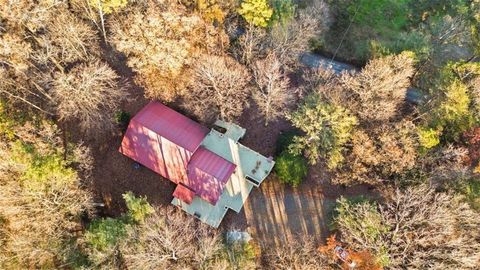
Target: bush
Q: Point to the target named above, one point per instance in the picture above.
(242, 255)
(413, 41)
(328, 128)
(453, 113)
(291, 169)
(283, 11)
(472, 193)
(428, 137)
(138, 207)
(6, 121)
(284, 140)
(105, 233)
(42, 171)
(122, 118)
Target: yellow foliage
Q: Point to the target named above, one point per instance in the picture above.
(256, 12)
(477, 169)
(457, 101)
(210, 10)
(429, 137)
(108, 6)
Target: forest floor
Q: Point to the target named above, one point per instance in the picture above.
(274, 213)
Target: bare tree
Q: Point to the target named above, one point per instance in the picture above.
(219, 88)
(20, 84)
(89, 93)
(273, 93)
(300, 254)
(28, 14)
(170, 240)
(379, 89)
(432, 230)
(68, 39)
(287, 40)
(417, 229)
(40, 39)
(162, 40)
(379, 153)
(251, 45)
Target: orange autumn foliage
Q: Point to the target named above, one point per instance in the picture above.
(363, 260)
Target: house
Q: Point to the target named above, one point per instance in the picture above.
(212, 170)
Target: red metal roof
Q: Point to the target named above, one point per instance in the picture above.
(208, 173)
(183, 193)
(171, 125)
(168, 143)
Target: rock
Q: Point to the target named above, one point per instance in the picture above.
(238, 236)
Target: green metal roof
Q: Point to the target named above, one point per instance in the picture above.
(249, 164)
(234, 131)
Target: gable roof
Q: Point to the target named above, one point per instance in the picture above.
(168, 143)
(171, 125)
(208, 173)
(209, 168)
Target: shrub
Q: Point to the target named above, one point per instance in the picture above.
(6, 122)
(328, 128)
(42, 171)
(413, 41)
(104, 234)
(471, 189)
(428, 137)
(284, 140)
(283, 11)
(291, 169)
(242, 255)
(138, 207)
(122, 118)
(453, 112)
(256, 12)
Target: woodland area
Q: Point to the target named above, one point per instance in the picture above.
(73, 71)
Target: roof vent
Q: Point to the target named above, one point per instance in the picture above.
(253, 181)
